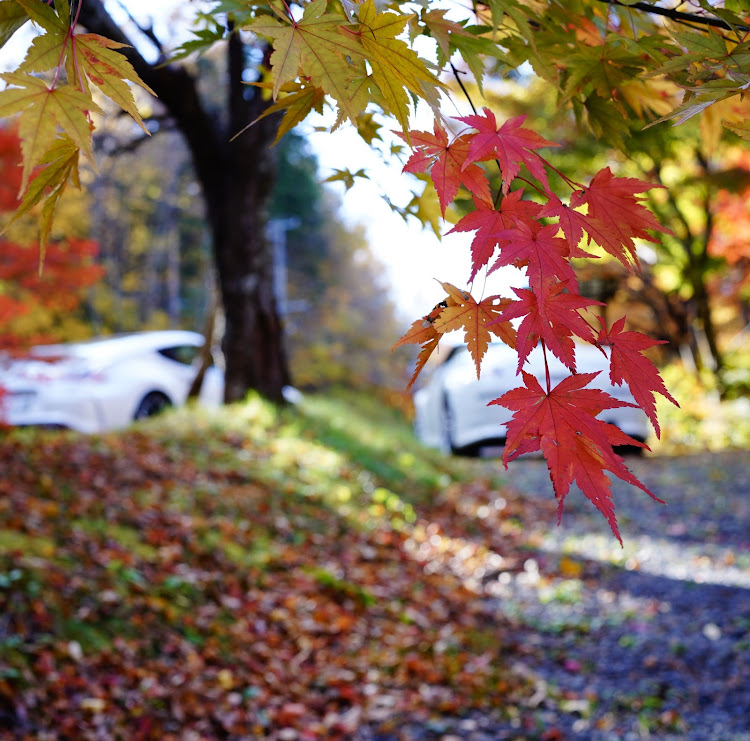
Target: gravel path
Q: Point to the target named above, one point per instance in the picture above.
(649, 641)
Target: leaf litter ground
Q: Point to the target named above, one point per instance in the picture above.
(310, 574)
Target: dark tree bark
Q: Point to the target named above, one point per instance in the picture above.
(236, 178)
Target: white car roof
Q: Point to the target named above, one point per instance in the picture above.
(588, 357)
(124, 344)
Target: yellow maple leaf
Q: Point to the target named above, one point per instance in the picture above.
(396, 68)
(728, 112)
(88, 57)
(474, 317)
(314, 45)
(655, 96)
(107, 69)
(57, 167)
(43, 110)
(298, 101)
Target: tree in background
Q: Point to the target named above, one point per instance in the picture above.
(155, 248)
(730, 241)
(44, 306)
(690, 281)
(236, 177)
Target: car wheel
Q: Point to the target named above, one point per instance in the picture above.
(151, 404)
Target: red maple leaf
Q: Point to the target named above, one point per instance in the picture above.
(577, 446)
(612, 201)
(489, 221)
(627, 363)
(575, 224)
(447, 163)
(551, 315)
(535, 246)
(511, 145)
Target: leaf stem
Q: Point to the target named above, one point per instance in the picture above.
(572, 183)
(496, 202)
(546, 366)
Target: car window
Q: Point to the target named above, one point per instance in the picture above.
(455, 352)
(184, 354)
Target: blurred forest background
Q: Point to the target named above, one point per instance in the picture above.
(133, 253)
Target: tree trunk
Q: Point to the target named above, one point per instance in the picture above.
(236, 178)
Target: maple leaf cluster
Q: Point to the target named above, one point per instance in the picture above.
(351, 61)
(55, 116)
(541, 236)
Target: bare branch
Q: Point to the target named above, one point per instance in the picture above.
(147, 32)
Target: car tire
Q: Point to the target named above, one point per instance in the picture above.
(152, 404)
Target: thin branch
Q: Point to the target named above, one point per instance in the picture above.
(112, 146)
(147, 32)
(457, 75)
(678, 15)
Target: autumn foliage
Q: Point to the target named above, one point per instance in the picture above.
(25, 290)
(541, 236)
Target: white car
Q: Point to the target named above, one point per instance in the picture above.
(451, 411)
(104, 383)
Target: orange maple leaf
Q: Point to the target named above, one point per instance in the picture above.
(477, 319)
(422, 332)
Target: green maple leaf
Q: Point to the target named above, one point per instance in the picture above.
(12, 17)
(204, 39)
(742, 129)
(43, 110)
(604, 67)
(606, 119)
(703, 96)
(347, 177)
(45, 16)
(314, 47)
(475, 48)
(59, 166)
